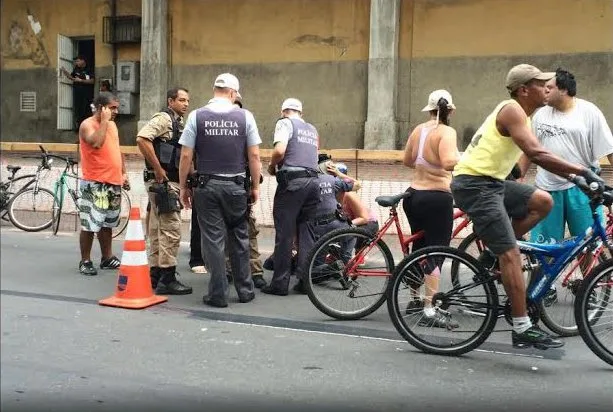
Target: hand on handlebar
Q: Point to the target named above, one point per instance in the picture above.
(592, 177)
(589, 182)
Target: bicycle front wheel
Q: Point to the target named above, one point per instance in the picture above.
(472, 245)
(124, 213)
(594, 296)
(431, 313)
(31, 209)
(344, 281)
(557, 308)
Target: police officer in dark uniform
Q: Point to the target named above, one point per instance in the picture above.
(294, 162)
(158, 141)
(223, 137)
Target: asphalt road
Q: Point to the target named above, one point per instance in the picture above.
(61, 351)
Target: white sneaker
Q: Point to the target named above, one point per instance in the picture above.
(199, 269)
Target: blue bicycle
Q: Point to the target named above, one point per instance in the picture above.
(470, 304)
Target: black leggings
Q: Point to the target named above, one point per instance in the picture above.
(432, 212)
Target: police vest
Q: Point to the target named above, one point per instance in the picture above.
(302, 147)
(221, 141)
(327, 195)
(169, 152)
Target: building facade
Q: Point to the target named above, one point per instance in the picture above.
(363, 68)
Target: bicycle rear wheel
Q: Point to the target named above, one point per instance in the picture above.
(345, 283)
(463, 317)
(594, 295)
(31, 209)
(124, 213)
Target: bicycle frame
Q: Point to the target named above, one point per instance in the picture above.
(405, 241)
(34, 178)
(560, 254)
(61, 185)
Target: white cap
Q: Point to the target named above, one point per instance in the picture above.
(227, 80)
(435, 96)
(293, 104)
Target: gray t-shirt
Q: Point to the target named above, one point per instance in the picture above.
(581, 136)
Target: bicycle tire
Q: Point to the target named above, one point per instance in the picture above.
(57, 214)
(123, 220)
(549, 321)
(586, 325)
(395, 310)
(12, 212)
(322, 246)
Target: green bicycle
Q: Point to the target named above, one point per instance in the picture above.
(62, 186)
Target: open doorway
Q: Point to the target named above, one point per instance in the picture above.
(74, 99)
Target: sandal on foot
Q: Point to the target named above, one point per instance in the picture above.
(110, 263)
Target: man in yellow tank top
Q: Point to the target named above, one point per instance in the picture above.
(502, 210)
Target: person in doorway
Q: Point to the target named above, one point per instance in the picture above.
(82, 78)
(432, 151)
(104, 173)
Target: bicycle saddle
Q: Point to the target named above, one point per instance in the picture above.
(389, 201)
(71, 161)
(13, 169)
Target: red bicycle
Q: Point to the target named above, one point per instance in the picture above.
(349, 268)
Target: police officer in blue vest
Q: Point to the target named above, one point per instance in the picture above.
(294, 163)
(223, 136)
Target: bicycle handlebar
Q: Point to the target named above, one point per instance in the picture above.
(594, 190)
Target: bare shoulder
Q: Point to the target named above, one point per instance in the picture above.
(447, 131)
(511, 113)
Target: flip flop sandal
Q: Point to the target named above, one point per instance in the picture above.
(110, 263)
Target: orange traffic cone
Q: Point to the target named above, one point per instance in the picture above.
(134, 280)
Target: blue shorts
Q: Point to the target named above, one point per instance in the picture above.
(570, 206)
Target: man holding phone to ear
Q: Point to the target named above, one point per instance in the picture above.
(104, 173)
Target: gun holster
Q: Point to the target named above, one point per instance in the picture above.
(166, 200)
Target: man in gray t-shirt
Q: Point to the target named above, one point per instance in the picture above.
(577, 131)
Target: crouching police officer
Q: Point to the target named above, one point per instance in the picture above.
(223, 137)
(328, 215)
(158, 141)
(294, 162)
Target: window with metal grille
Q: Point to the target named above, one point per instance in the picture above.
(27, 101)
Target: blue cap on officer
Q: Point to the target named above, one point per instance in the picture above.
(342, 167)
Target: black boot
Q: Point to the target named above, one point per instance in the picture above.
(169, 285)
(154, 272)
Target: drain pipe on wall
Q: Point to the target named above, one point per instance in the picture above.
(114, 44)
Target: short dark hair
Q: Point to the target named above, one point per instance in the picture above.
(443, 111)
(174, 92)
(106, 83)
(104, 98)
(80, 57)
(565, 80)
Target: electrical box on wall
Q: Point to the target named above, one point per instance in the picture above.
(128, 76)
(127, 102)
